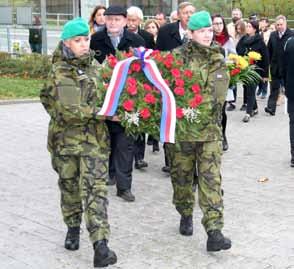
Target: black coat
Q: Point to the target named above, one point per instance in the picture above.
(169, 37)
(101, 44)
(148, 38)
(255, 43)
(288, 70)
(276, 51)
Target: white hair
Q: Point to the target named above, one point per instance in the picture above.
(135, 11)
(172, 14)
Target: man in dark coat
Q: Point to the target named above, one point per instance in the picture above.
(288, 75)
(135, 18)
(276, 45)
(173, 35)
(116, 36)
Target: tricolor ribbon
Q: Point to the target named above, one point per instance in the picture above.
(150, 69)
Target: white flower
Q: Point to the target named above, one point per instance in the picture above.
(132, 118)
(191, 114)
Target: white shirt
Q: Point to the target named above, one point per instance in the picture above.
(183, 33)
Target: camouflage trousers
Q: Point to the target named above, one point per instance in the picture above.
(183, 159)
(82, 182)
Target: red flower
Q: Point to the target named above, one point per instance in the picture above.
(235, 72)
(188, 73)
(149, 98)
(179, 113)
(196, 101)
(169, 57)
(147, 87)
(131, 81)
(132, 90)
(128, 105)
(136, 67)
(128, 54)
(145, 113)
(196, 88)
(156, 55)
(179, 91)
(112, 61)
(251, 61)
(180, 82)
(168, 63)
(176, 73)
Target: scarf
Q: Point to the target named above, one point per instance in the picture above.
(221, 38)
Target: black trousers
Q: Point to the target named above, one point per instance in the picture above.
(139, 148)
(251, 98)
(121, 159)
(274, 93)
(291, 126)
(224, 119)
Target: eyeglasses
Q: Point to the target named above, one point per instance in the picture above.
(217, 23)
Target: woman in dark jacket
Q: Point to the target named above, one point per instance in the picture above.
(253, 41)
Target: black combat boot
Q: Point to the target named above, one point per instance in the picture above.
(186, 225)
(103, 256)
(216, 241)
(72, 240)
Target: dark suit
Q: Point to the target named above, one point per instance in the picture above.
(169, 37)
(276, 52)
(101, 44)
(121, 157)
(288, 75)
(148, 38)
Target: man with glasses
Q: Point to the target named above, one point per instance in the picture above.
(276, 45)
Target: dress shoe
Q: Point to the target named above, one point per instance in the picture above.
(186, 225)
(111, 181)
(243, 107)
(263, 96)
(231, 107)
(216, 241)
(155, 147)
(126, 195)
(103, 256)
(268, 110)
(72, 239)
(165, 169)
(141, 164)
(225, 144)
(246, 118)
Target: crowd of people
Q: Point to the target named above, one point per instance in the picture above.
(90, 151)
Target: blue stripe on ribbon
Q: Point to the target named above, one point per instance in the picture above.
(164, 98)
(121, 84)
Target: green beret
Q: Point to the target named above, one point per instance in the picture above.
(75, 27)
(199, 20)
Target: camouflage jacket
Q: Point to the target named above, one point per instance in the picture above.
(208, 65)
(69, 96)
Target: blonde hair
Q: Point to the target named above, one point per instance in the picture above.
(183, 5)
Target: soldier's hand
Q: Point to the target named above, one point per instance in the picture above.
(115, 118)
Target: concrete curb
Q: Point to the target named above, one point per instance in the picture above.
(18, 101)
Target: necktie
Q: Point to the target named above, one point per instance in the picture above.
(185, 38)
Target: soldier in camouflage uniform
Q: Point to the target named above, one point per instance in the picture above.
(201, 142)
(78, 140)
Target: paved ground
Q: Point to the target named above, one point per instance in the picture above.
(259, 217)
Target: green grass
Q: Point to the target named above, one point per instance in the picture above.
(19, 88)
